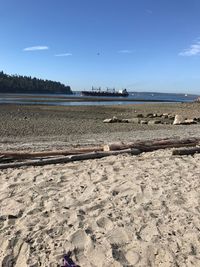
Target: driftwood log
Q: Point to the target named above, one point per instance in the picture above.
(135, 148)
(26, 155)
(66, 159)
(188, 151)
(146, 146)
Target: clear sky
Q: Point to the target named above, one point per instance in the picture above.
(141, 45)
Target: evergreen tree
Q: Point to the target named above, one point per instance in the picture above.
(26, 85)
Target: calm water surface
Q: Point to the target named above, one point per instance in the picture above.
(78, 100)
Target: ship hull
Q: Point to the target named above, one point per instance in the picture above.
(94, 93)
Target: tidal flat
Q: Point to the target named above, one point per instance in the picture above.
(75, 123)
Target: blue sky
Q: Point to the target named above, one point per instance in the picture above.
(141, 45)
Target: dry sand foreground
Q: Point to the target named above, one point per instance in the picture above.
(116, 211)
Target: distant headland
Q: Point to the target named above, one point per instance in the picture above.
(27, 85)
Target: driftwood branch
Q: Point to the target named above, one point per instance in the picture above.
(189, 151)
(93, 155)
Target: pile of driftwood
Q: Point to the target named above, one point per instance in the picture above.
(9, 159)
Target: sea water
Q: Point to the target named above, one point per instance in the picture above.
(78, 100)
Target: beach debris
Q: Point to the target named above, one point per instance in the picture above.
(107, 121)
(165, 118)
(140, 115)
(179, 119)
(68, 262)
(125, 120)
(21, 159)
(134, 120)
(151, 122)
(188, 151)
(190, 121)
(171, 116)
(196, 119)
(197, 100)
(46, 161)
(25, 155)
(165, 115)
(143, 122)
(151, 145)
(115, 119)
(150, 115)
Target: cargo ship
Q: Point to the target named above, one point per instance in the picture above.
(108, 92)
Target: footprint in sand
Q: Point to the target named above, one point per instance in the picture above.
(118, 255)
(105, 223)
(132, 257)
(119, 236)
(164, 258)
(80, 240)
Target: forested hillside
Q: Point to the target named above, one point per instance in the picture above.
(29, 85)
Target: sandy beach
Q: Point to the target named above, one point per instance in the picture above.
(117, 211)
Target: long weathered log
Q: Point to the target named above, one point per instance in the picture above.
(25, 155)
(189, 151)
(5, 160)
(143, 145)
(93, 155)
(95, 152)
(154, 144)
(153, 148)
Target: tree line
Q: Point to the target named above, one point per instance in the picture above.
(26, 85)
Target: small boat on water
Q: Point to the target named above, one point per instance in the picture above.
(99, 92)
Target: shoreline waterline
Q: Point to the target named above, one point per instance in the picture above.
(78, 100)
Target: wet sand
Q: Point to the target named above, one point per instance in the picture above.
(71, 123)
